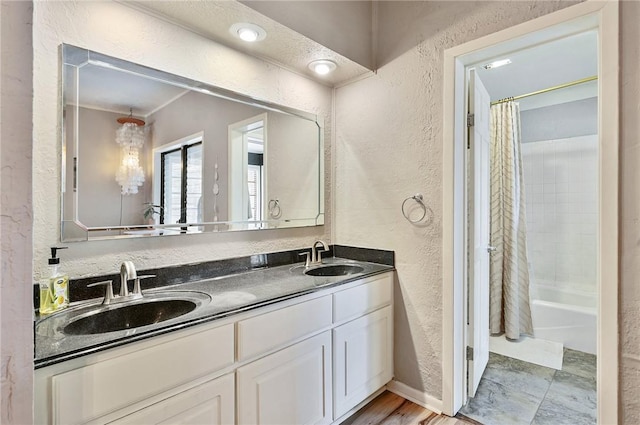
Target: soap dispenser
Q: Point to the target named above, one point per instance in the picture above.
(54, 289)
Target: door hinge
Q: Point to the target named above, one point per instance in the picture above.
(469, 353)
(471, 120)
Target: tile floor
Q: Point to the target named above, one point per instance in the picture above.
(513, 392)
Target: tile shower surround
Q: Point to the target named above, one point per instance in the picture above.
(561, 195)
(185, 273)
(514, 392)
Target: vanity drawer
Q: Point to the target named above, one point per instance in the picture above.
(268, 331)
(357, 301)
(95, 390)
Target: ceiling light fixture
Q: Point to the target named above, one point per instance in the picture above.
(248, 32)
(496, 64)
(322, 66)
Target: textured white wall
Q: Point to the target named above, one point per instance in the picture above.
(388, 147)
(117, 30)
(16, 294)
(630, 212)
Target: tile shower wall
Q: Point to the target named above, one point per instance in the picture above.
(562, 211)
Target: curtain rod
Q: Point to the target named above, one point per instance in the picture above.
(561, 86)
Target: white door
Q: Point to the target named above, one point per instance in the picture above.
(289, 387)
(363, 354)
(211, 403)
(479, 220)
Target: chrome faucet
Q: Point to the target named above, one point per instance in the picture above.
(127, 272)
(316, 255)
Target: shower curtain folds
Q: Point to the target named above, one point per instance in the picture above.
(509, 309)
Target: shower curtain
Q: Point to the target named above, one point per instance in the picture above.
(509, 309)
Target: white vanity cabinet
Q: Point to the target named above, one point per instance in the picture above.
(363, 346)
(307, 360)
(109, 385)
(363, 358)
(291, 386)
(211, 403)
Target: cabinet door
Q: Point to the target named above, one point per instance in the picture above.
(291, 386)
(363, 358)
(211, 403)
(131, 377)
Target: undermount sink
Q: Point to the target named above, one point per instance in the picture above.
(130, 316)
(334, 270)
(97, 319)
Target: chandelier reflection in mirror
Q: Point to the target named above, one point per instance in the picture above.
(130, 136)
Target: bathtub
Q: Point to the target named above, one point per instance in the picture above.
(564, 315)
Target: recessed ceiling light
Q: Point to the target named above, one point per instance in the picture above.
(248, 32)
(322, 66)
(496, 64)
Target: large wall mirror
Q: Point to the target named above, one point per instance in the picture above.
(147, 153)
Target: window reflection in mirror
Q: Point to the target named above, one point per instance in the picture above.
(179, 175)
(196, 177)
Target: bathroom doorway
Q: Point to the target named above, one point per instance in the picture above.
(533, 216)
(581, 18)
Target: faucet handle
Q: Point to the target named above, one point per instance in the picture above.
(108, 293)
(307, 262)
(136, 284)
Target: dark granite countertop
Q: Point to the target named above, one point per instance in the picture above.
(229, 295)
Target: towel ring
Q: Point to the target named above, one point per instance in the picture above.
(420, 200)
(274, 208)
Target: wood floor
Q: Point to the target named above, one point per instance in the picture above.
(391, 409)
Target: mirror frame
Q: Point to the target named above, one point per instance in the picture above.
(73, 230)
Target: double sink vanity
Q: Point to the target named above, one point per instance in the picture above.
(262, 339)
(290, 343)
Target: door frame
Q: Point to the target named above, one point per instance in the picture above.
(237, 182)
(599, 15)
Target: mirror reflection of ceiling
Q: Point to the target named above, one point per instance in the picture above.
(107, 89)
(543, 66)
(284, 46)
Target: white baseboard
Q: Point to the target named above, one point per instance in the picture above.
(358, 407)
(418, 397)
